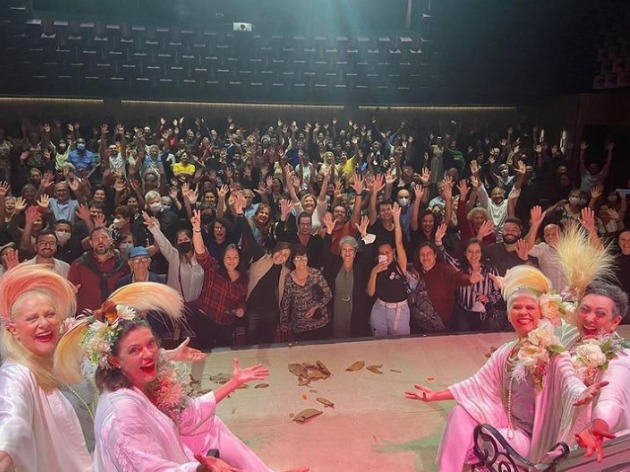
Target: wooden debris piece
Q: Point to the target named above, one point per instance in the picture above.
(358, 365)
(306, 414)
(375, 368)
(325, 402)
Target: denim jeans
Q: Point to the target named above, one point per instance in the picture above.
(389, 319)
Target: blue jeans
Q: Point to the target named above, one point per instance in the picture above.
(389, 319)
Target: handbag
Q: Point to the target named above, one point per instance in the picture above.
(422, 313)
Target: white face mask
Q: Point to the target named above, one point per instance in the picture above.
(119, 222)
(575, 201)
(62, 237)
(403, 202)
(125, 247)
(155, 207)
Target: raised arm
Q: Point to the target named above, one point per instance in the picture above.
(377, 186)
(418, 191)
(398, 235)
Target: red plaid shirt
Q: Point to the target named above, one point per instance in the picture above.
(219, 295)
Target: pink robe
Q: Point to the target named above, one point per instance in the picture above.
(134, 435)
(481, 400)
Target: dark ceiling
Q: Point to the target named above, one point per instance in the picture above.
(332, 51)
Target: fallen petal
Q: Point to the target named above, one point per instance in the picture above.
(358, 365)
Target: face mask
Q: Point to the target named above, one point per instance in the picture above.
(155, 207)
(612, 198)
(81, 147)
(184, 247)
(403, 202)
(119, 222)
(125, 247)
(62, 147)
(575, 201)
(62, 237)
(166, 207)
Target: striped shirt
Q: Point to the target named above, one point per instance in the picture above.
(467, 295)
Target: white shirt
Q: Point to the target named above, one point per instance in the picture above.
(59, 267)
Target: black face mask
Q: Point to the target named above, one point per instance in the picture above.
(184, 247)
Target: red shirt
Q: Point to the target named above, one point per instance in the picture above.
(90, 295)
(220, 296)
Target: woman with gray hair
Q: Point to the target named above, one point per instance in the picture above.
(347, 276)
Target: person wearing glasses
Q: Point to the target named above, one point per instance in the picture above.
(46, 247)
(139, 262)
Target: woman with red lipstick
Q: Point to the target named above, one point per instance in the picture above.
(145, 420)
(528, 388)
(39, 430)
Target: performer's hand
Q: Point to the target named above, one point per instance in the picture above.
(255, 372)
(214, 464)
(183, 353)
(592, 439)
(421, 393)
(590, 393)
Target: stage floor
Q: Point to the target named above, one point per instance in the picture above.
(372, 426)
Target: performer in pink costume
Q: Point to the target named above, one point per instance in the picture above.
(600, 354)
(528, 389)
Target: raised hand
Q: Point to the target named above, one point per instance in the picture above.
(43, 202)
(4, 189)
(486, 229)
(99, 220)
(362, 226)
(587, 220)
(223, 191)
(183, 353)
(195, 220)
(522, 249)
(243, 376)
(286, 206)
(378, 183)
(583, 146)
(425, 176)
(418, 191)
(447, 190)
(474, 167)
(537, 215)
(173, 191)
(463, 188)
(10, 258)
(20, 205)
(440, 232)
(31, 215)
(597, 191)
(329, 222)
(474, 181)
(150, 221)
(396, 211)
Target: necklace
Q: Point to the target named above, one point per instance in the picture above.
(508, 396)
(83, 402)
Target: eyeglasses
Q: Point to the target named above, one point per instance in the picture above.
(47, 243)
(300, 258)
(138, 260)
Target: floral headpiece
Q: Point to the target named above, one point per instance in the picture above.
(103, 331)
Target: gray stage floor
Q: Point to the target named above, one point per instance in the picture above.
(372, 426)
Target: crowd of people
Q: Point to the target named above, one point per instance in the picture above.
(353, 231)
(227, 217)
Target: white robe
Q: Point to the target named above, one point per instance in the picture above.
(481, 396)
(38, 429)
(613, 403)
(134, 435)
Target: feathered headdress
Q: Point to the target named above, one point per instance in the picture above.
(582, 260)
(92, 338)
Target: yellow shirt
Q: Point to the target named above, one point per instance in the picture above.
(180, 168)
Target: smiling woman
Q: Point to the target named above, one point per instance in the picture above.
(528, 388)
(145, 420)
(39, 430)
